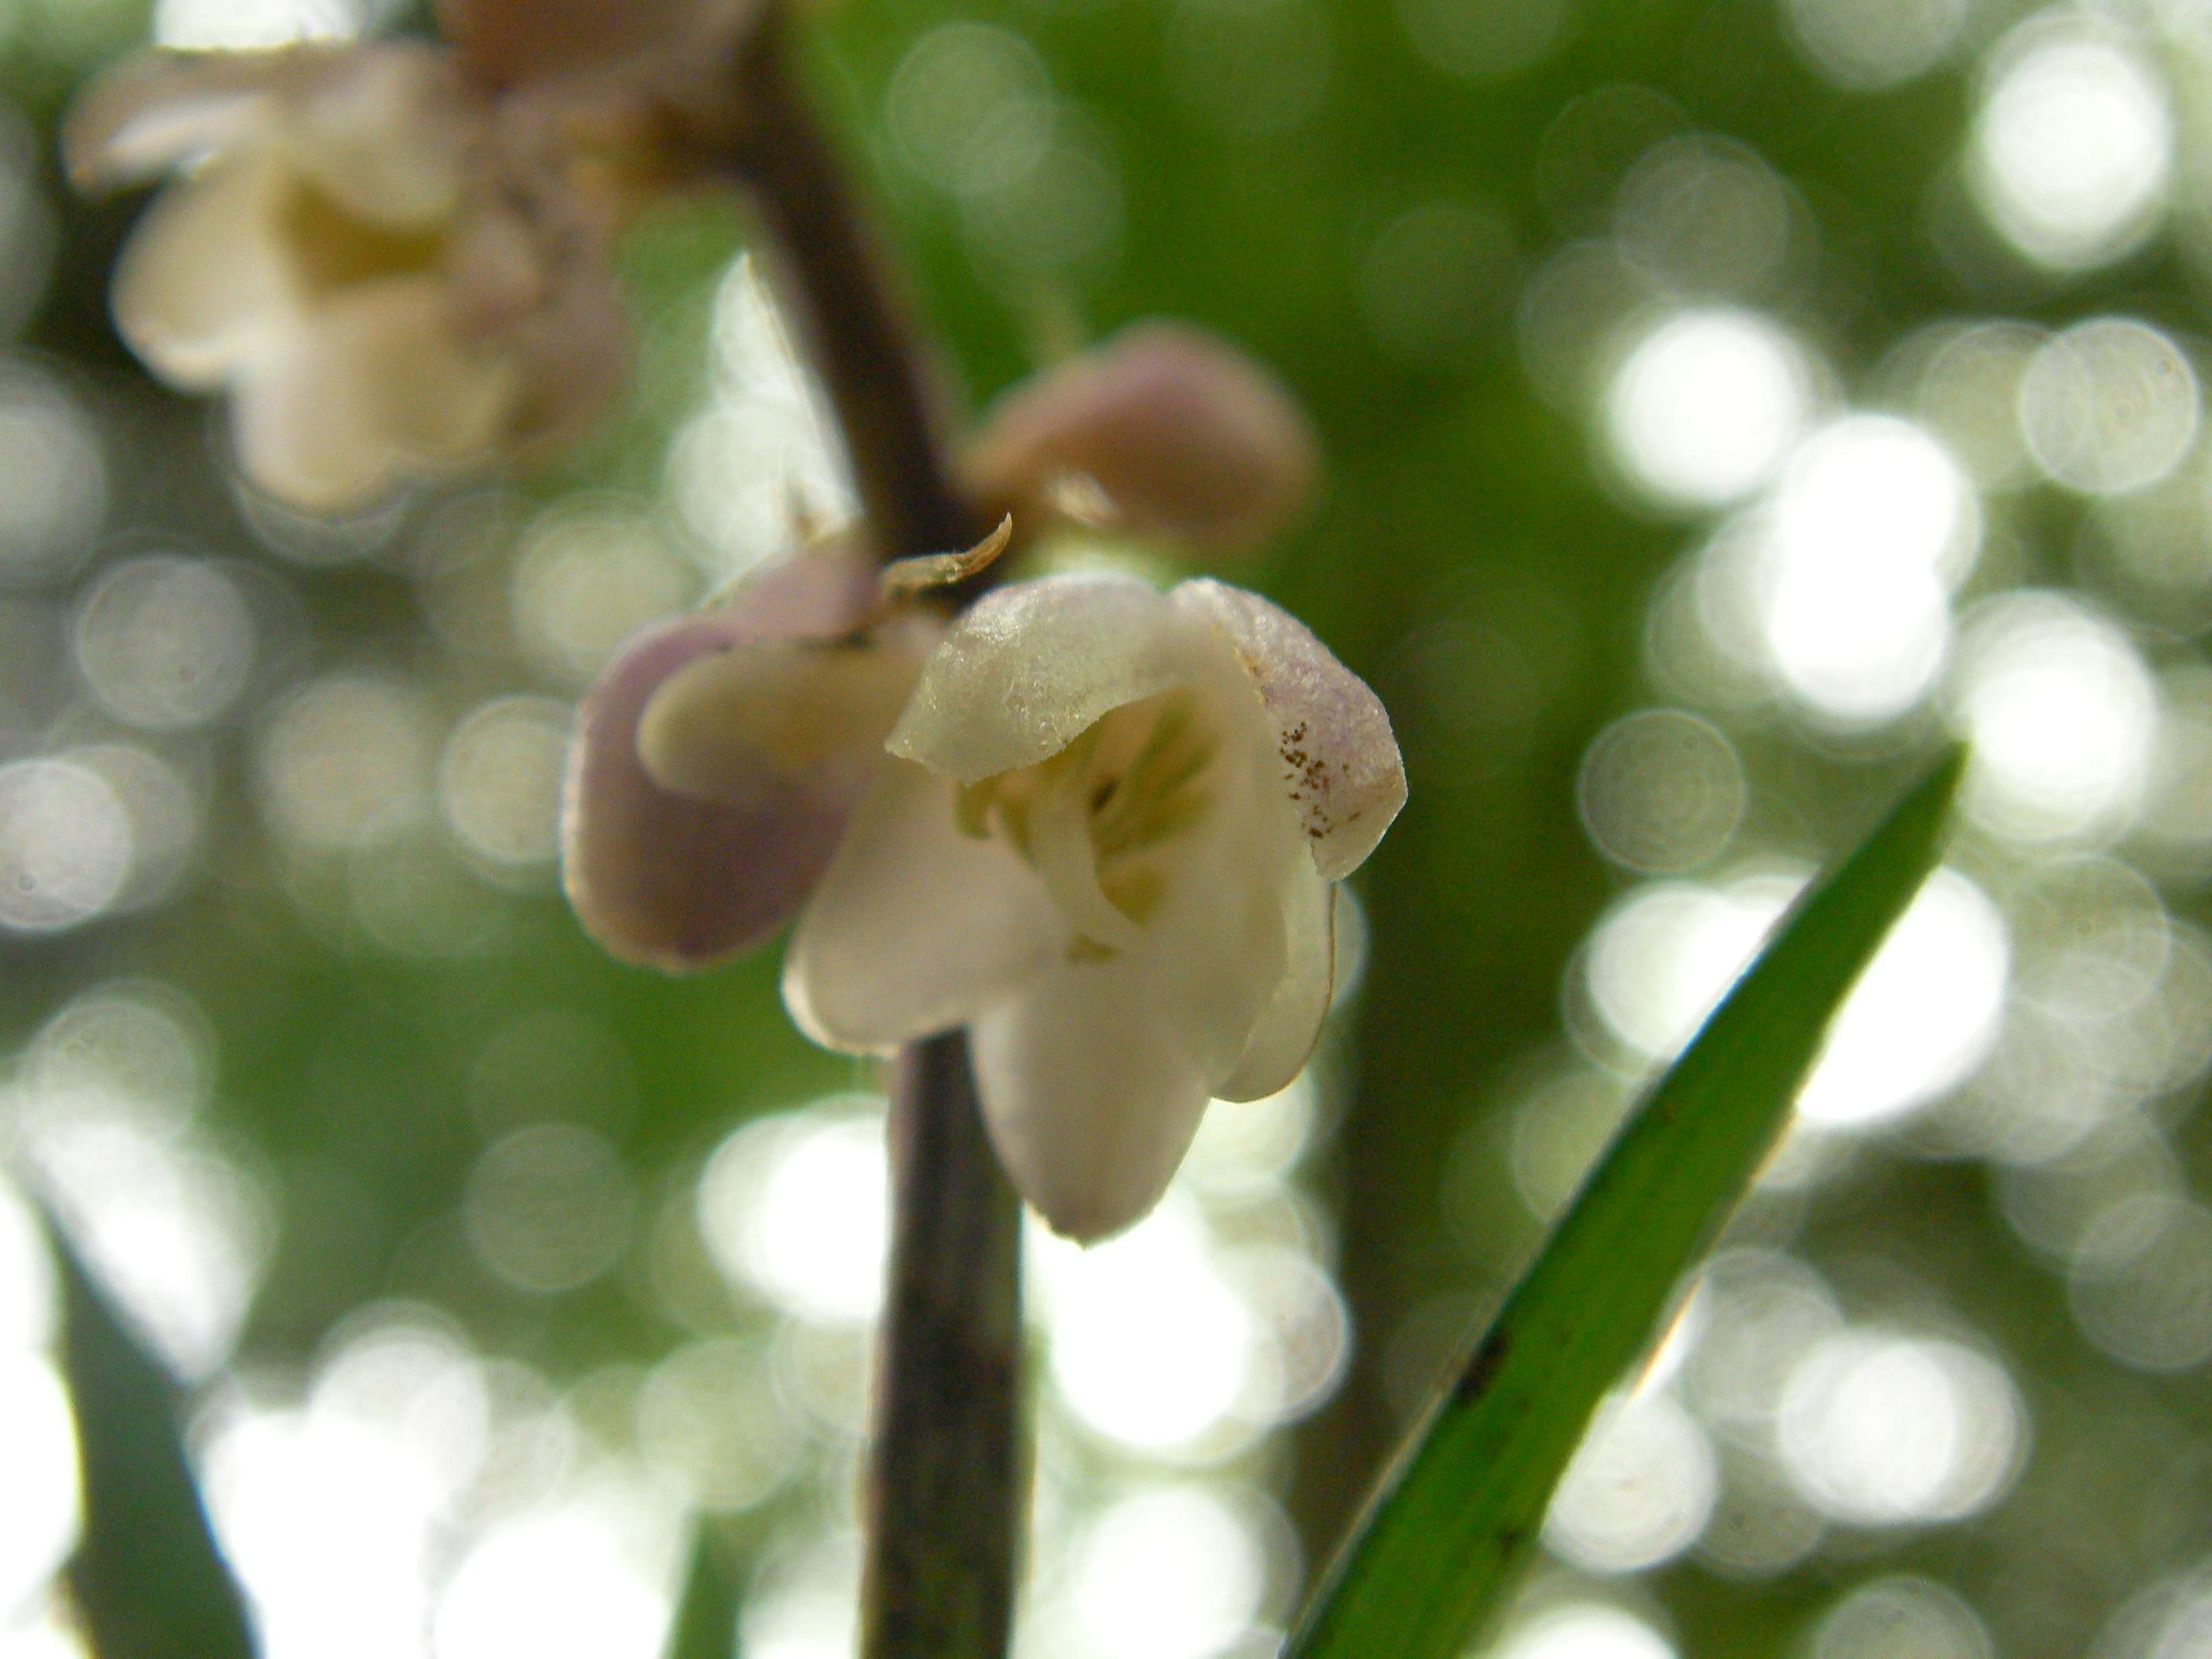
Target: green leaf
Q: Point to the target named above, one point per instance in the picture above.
(148, 1579)
(706, 1625)
(1441, 1545)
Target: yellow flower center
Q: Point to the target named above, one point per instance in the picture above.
(1095, 819)
(333, 247)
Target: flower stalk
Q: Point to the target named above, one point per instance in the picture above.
(943, 1500)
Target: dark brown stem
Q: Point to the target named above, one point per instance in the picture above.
(885, 392)
(945, 1488)
(945, 1479)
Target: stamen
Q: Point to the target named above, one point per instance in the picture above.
(1091, 818)
(1060, 845)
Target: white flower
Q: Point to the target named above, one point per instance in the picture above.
(1107, 845)
(391, 269)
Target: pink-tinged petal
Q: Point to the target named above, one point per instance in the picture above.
(916, 926)
(772, 712)
(148, 112)
(1026, 669)
(369, 386)
(1188, 438)
(1284, 1040)
(677, 882)
(1340, 765)
(203, 285)
(512, 40)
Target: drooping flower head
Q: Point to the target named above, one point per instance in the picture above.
(1097, 824)
(1107, 844)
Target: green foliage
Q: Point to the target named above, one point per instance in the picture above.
(149, 1580)
(707, 1618)
(1441, 1549)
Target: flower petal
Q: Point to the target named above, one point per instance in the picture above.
(1342, 769)
(202, 283)
(1188, 438)
(370, 384)
(675, 881)
(154, 110)
(765, 712)
(1091, 1096)
(916, 924)
(1093, 1077)
(387, 132)
(1284, 1040)
(1028, 668)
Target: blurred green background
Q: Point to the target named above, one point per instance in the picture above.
(1723, 399)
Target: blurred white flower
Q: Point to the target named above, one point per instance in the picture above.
(1107, 845)
(394, 269)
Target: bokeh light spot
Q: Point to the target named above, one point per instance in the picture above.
(1872, 523)
(589, 578)
(711, 1425)
(1661, 791)
(1150, 1345)
(2110, 405)
(1924, 1015)
(1706, 404)
(498, 780)
(1485, 39)
(1870, 44)
(549, 1208)
(1882, 1429)
(1587, 1630)
(345, 763)
(165, 642)
(66, 845)
(2062, 714)
(1170, 1572)
(1902, 1617)
(1640, 1490)
(2073, 144)
(796, 1206)
(38, 1447)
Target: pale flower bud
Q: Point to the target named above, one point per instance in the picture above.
(1186, 438)
(392, 273)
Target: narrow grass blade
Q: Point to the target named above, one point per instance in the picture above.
(705, 1626)
(1439, 1547)
(147, 1577)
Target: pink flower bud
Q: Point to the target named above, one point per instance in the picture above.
(1188, 438)
(679, 880)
